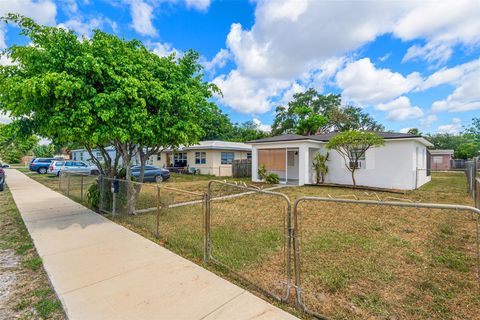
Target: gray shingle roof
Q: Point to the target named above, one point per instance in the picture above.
(326, 137)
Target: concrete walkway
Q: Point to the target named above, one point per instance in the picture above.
(101, 270)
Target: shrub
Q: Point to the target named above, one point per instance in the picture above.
(93, 196)
(272, 178)
(262, 172)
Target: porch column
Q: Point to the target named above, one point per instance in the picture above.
(254, 163)
(304, 165)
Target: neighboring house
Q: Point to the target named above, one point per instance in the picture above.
(209, 157)
(441, 159)
(83, 155)
(399, 164)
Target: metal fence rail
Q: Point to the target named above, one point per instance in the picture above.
(174, 216)
(364, 258)
(248, 234)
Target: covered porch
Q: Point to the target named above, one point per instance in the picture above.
(292, 162)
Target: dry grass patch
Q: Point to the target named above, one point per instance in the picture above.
(25, 291)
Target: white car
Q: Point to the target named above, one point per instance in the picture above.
(72, 166)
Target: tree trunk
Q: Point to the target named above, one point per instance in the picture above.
(353, 178)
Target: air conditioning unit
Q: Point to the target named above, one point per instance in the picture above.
(356, 165)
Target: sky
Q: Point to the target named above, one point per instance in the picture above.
(410, 64)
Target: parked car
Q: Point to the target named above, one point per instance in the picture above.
(56, 167)
(41, 165)
(152, 174)
(2, 175)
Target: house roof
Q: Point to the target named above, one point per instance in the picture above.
(448, 152)
(216, 145)
(326, 137)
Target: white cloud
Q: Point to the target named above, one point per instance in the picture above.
(404, 130)
(142, 15)
(436, 53)
(465, 97)
(85, 27)
(163, 49)
(43, 12)
(400, 109)
(451, 75)
(261, 126)
(451, 128)
(428, 121)
(364, 83)
(385, 57)
(4, 118)
(247, 95)
(290, 39)
(200, 5)
(219, 61)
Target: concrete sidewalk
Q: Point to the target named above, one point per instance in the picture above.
(101, 270)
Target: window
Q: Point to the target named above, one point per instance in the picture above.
(180, 159)
(81, 156)
(69, 164)
(79, 164)
(355, 154)
(249, 155)
(98, 155)
(437, 159)
(159, 156)
(227, 157)
(200, 157)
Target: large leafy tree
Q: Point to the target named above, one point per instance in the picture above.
(310, 112)
(103, 91)
(352, 146)
(14, 144)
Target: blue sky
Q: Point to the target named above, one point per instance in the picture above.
(409, 64)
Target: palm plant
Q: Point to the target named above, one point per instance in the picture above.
(320, 166)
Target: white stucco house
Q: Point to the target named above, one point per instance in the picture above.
(401, 163)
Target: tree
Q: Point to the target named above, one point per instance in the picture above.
(103, 91)
(14, 144)
(467, 150)
(305, 114)
(414, 131)
(44, 151)
(310, 112)
(320, 166)
(352, 146)
(351, 118)
(246, 131)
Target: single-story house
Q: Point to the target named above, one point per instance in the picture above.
(209, 157)
(441, 159)
(401, 163)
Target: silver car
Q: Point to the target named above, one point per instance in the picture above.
(56, 167)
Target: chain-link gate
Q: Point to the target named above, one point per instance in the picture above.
(373, 259)
(247, 233)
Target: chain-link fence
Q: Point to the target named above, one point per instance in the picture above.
(374, 259)
(76, 185)
(248, 234)
(174, 216)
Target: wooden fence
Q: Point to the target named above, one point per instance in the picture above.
(242, 168)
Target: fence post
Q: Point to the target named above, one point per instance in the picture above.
(100, 201)
(114, 197)
(474, 182)
(158, 212)
(206, 235)
(68, 184)
(81, 188)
